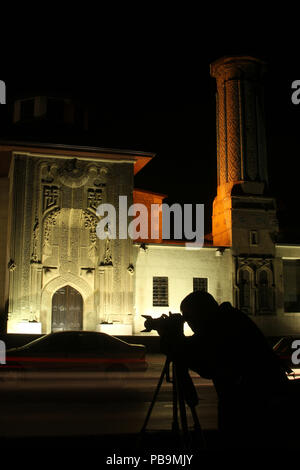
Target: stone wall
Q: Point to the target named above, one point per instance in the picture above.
(4, 198)
(54, 241)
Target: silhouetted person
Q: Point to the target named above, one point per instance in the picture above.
(228, 348)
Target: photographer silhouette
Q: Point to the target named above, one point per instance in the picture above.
(228, 348)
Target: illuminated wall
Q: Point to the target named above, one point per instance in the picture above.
(180, 265)
(53, 241)
(154, 219)
(4, 215)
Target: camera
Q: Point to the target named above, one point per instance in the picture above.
(170, 324)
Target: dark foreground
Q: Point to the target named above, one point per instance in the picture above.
(104, 417)
(152, 449)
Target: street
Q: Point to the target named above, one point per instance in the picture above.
(95, 404)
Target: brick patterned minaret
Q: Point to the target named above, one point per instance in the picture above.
(241, 142)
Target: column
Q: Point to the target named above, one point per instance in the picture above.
(241, 143)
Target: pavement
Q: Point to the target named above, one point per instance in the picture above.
(148, 445)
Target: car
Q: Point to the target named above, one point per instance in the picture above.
(76, 351)
(284, 349)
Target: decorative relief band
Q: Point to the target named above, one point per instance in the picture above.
(49, 222)
(34, 255)
(73, 174)
(94, 198)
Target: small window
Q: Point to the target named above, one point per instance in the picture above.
(253, 237)
(160, 292)
(200, 283)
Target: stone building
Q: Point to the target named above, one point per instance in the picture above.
(57, 274)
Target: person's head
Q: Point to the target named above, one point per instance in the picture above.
(199, 310)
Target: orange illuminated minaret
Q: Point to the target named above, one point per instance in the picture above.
(241, 144)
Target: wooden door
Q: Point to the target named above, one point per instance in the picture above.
(67, 309)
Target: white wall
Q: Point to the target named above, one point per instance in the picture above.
(180, 265)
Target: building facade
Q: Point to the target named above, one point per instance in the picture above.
(57, 274)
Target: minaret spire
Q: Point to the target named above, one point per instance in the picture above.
(241, 145)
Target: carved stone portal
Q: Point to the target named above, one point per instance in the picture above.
(57, 199)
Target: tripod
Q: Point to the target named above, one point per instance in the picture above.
(184, 392)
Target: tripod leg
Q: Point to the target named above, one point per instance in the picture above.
(198, 428)
(175, 425)
(164, 372)
(191, 401)
(182, 409)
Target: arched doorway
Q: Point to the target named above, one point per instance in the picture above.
(67, 309)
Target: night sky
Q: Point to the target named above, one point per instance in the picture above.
(159, 97)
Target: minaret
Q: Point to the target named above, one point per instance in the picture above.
(243, 216)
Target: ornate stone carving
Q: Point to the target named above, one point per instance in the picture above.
(222, 134)
(90, 222)
(49, 269)
(98, 183)
(34, 255)
(58, 244)
(87, 271)
(47, 176)
(260, 284)
(73, 174)
(107, 261)
(94, 198)
(238, 84)
(11, 265)
(233, 130)
(130, 269)
(101, 174)
(49, 222)
(50, 197)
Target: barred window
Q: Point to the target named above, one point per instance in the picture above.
(200, 283)
(160, 292)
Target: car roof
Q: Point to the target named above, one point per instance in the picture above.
(86, 332)
(77, 332)
(64, 333)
